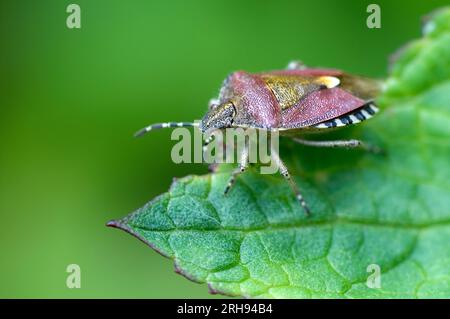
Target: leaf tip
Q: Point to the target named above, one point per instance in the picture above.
(113, 223)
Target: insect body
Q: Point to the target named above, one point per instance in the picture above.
(290, 101)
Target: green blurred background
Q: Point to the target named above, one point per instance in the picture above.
(71, 100)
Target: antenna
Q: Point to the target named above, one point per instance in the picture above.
(164, 125)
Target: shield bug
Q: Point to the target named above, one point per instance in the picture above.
(292, 102)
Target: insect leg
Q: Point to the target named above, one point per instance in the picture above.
(210, 137)
(284, 171)
(340, 143)
(207, 141)
(243, 165)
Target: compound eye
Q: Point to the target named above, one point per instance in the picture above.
(213, 103)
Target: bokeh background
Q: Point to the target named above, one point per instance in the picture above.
(71, 99)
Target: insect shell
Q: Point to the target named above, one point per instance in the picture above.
(292, 101)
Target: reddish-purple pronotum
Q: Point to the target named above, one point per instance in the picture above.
(291, 102)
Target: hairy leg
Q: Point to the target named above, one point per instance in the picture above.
(243, 165)
(284, 171)
(340, 143)
(207, 141)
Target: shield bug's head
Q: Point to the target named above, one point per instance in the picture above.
(219, 116)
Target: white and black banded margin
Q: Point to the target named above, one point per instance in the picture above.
(363, 113)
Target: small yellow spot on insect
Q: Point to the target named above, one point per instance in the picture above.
(329, 81)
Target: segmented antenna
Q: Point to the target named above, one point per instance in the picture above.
(164, 125)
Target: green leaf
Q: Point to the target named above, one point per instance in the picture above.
(392, 211)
